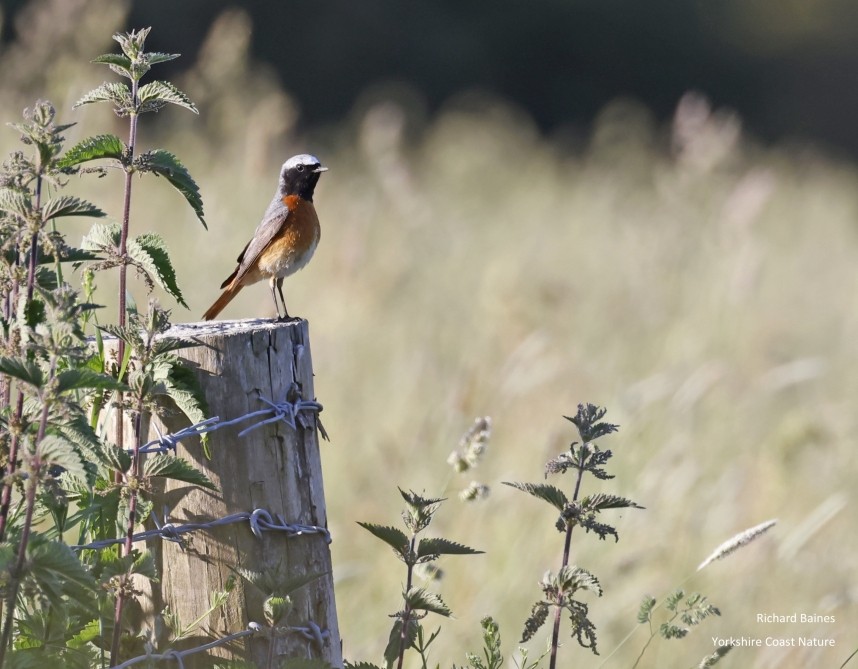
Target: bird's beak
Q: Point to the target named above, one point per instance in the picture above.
(321, 169)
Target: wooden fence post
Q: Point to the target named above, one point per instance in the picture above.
(274, 467)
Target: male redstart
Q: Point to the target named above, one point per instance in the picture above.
(285, 239)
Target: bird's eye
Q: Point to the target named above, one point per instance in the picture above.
(300, 168)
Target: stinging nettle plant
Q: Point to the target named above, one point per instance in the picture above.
(66, 484)
(147, 253)
(407, 631)
(561, 590)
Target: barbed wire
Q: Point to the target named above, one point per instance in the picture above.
(179, 655)
(260, 521)
(311, 632)
(291, 413)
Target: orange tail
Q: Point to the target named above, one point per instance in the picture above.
(221, 302)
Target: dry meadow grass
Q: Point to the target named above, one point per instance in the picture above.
(700, 286)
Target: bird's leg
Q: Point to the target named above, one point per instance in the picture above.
(286, 316)
(272, 282)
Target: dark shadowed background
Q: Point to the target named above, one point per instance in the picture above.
(789, 67)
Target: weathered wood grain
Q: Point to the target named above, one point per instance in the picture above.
(274, 467)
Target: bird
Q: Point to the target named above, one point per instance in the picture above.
(284, 241)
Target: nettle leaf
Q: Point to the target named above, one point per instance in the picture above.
(93, 148)
(183, 388)
(421, 599)
(166, 465)
(56, 571)
(601, 501)
(90, 632)
(150, 253)
(396, 642)
(57, 452)
(16, 203)
(436, 547)
(66, 205)
(109, 91)
(28, 372)
(393, 537)
(117, 62)
(551, 494)
(157, 57)
(165, 164)
(144, 564)
(74, 379)
(276, 581)
(536, 619)
(155, 95)
(102, 237)
(360, 665)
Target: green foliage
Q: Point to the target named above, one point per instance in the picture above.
(689, 610)
(148, 253)
(561, 590)
(393, 537)
(548, 493)
(65, 480)
(492, 657)
(171, 467)
(94, 148)
(407, 632)
(164, 164)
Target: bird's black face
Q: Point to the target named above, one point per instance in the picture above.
(300, 175)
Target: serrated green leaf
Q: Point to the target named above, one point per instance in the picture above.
(393, 537)
(360, 665)
(16, 203)
(153, 96)
(26, 371)
(157, 57)
(73, 379)
(93, 148)
(276, 580)
(55, 571)
(421, 599)
(602, 501)
(549, 493)
(114, 92)
(102, 237)
(165, 164)
(66, 205)
(57, 452)
(150, 253)
(443, 547)
(144, 565)
(89, 632)
(117, 60)
(396, 643)
(166, 465)
(183, 388)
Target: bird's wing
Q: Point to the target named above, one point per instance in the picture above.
(274, 221)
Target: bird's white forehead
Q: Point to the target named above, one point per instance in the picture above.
(301, 159)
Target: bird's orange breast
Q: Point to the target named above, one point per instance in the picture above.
(294, 244)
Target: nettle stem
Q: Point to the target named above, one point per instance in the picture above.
(406, 616)
(6, 495)
(567, 549)
(17, 574)
(120, 413)
(123, 243)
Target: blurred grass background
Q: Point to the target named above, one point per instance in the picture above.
(700, 285)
